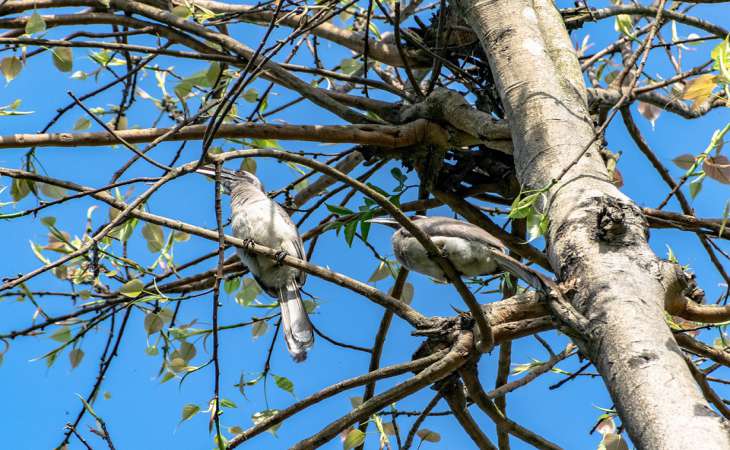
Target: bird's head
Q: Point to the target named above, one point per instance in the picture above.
(230, 179)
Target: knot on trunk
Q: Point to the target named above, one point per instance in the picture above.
(618, 222)
(611, 222)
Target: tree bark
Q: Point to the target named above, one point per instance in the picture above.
(597, 239)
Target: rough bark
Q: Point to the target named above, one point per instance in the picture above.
(597, 240)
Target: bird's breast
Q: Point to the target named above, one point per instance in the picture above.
(262, 222)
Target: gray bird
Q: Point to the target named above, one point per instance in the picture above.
(471, 250)
(468, 247)
(255, 217)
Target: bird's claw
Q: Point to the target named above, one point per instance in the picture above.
(279, 257)
(248, 244)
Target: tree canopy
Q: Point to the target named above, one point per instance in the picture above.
(587, 138)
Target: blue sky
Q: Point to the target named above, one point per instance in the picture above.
(144, 414)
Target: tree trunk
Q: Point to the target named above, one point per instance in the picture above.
(597, 239)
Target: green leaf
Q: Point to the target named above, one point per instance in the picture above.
(685, 161)
(183, 88)
(725, 214)
(214, 70)
(251, 95)
(154, 236)
(37, 251)
(225, 403)
(310, 306)
(51, 191)
(62, 335)
(339, 210)
(63, 59)
(248, 292)
(132, 288)
(353, 439)
(259, 329)
(248, 165)
(75, 356)
(428, 435)
(624, 24)
(284, 383)
(265, 143)
(380, 273)
(20, 189)
(231, 284)
(35, 24)
(522, 207)
(102, 57)
(186, 351)
(51, 358)
(350, 229)
(189, 411)
(82, 124)
(671, 257)
(537, 224)
(88, 407)
(613, 441)
(378, 189)
(399, 177)
(182, 11)
(180, 236)
(721, 57)
(695, 186)
(11, 67)
(152, 323)
(350, 66)
(365, 226)
(151, 350)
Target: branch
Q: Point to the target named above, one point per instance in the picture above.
(610, 97)
(380, 336)
(487, 341)
(455, 358)
(418, 132)
(399, 308)
(707, 390)
(454, 396)
(701, 349)
(575, 18)
(476, 393)
(385, 372)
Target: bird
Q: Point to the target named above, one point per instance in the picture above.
(472, 250)
(256, 217)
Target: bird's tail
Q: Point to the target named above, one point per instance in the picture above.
(298, 331)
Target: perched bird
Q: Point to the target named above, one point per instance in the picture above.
(470, 249)
(255, 217)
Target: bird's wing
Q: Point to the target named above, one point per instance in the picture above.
(251, 261)
(447, 227)
(296, 244)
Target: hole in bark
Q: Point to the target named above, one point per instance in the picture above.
(642, 359)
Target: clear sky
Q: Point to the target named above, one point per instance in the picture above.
(143, 414)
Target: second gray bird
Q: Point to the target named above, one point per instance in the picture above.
(254, 216)
(470, 249)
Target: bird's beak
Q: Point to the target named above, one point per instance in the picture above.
(209, 172)
(227, 177)
(388, 221)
